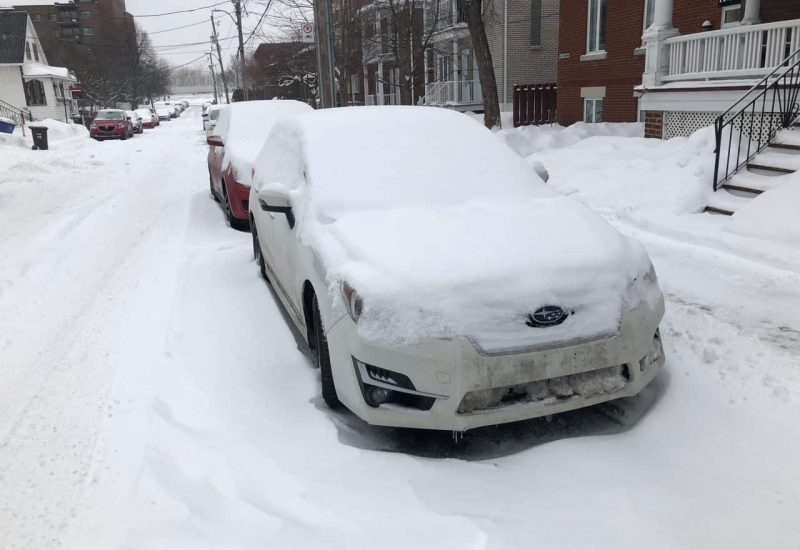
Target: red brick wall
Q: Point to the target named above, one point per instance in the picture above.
(779, 10)
(621, 71)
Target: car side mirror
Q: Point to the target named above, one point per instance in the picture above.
(127, 118)
(215, 141)
(275, 198)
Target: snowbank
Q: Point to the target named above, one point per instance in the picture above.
(484, 240)
(245, 126)
(772, 215)
(527, 140)
(57, 131)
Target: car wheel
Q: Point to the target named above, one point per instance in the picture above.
(323, 358)
(257, 255)
(124, 136)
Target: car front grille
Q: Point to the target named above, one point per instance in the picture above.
(607, 381)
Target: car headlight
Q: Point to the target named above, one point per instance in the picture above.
(352, 301)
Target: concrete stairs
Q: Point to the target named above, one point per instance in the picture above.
(765, 171)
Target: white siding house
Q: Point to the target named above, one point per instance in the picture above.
(28, 85)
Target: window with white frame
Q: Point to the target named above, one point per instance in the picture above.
(649, 13)
(592, 110)
(596, 26)
(731, 16)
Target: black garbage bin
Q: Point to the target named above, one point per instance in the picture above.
(39, 137)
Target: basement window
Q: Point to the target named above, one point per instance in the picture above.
(592, 110)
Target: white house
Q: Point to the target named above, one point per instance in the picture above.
(28, 85)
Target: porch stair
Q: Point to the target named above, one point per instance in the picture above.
(767, 170)
(758, 139)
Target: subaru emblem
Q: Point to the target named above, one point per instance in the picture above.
(546, 316)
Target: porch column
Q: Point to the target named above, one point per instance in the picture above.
(455, 70)
(752, 12)
(379, 84)
(656, 64)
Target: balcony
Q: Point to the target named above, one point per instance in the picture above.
(453, 93)
(383, 99)
(745, 52)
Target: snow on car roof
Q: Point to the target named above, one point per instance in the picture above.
(444, 231)
(244, 127)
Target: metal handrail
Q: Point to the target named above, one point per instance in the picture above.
(10, 111)
(784, 90)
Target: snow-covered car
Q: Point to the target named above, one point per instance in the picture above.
(111, 124)
(149, 120)
(213, 116)
(238, 137)
(136, 121)
(163, 112)
(439, 282)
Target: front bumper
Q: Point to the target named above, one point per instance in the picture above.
(107, 133)
(473, 390)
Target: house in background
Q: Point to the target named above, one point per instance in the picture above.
(676, 64)
(523, 41)
(28, 85)
(283, 70)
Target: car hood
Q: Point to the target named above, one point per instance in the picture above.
(478, 269)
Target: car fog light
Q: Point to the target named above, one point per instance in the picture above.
(378, 396)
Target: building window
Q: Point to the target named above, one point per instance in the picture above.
(86, 14)
(731, 16)
(592, 110)
(86, 30)
(536, 22)
(596, 28)
(649, 13)
(28, 50)
(34, 93)
(36, 52)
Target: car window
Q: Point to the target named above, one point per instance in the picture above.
(214, 115)
(110, 115)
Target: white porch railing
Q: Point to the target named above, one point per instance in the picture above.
(453, 92)
(385, 99)
(741, 52)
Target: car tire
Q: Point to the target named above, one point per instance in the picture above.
(322, 358)
(257, 254)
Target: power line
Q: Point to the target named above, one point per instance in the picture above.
(178, 28)
(180, 11)
(191, 43)
(189, 62)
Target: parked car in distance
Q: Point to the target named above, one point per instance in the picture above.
(111, 124)
(213, 116)
(163, 112)
(438, 281)
(136, 121)
(237, 139)
(149, 120)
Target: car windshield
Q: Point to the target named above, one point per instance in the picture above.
(110, 115)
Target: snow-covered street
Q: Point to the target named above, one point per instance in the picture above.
(153, 395)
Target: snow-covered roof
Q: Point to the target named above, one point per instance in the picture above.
(36, 70)
(245, 126)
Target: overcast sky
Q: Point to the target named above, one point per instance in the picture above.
(178, 46)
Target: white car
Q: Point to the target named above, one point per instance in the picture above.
(163, 112)
(136, 121)
(440, 283)
(213, 116)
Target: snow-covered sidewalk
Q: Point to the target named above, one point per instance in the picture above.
(153, 396)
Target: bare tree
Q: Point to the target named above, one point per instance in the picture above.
(483, 58)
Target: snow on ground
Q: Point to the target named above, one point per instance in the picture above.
(58, 134)
(153, 396)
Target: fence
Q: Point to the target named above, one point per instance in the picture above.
(535, 104)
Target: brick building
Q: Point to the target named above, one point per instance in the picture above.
(675, 63)
(284, 70)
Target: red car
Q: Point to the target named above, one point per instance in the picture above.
(111, 124)
(240, 133)
(149, 120)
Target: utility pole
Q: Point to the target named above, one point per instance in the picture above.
(325, 59)
(238, 7)
(219, 56)
(213, 76)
